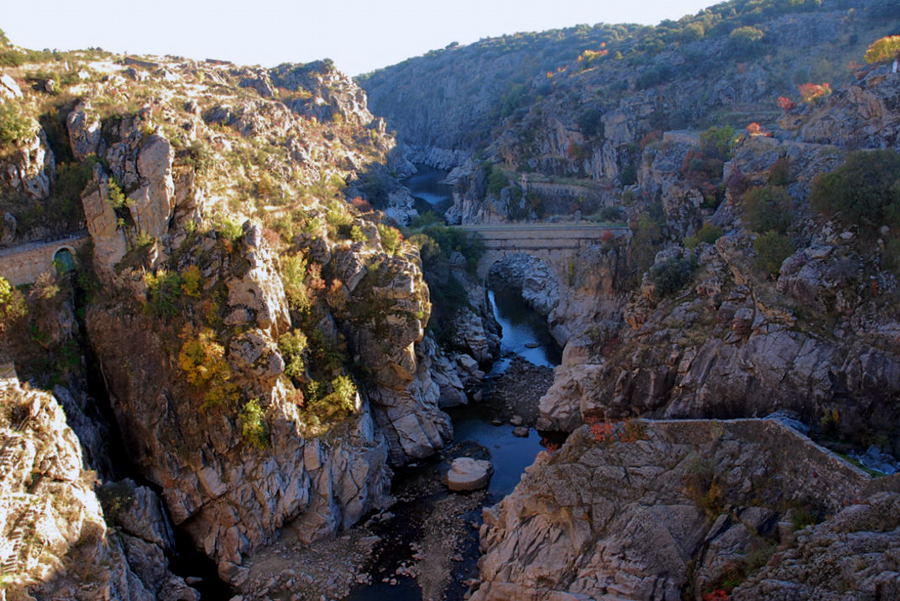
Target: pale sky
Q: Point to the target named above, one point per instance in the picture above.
(359, 35)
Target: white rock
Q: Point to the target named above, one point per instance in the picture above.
(469, 474)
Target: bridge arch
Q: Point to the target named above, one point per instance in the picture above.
(557, 244)
(64, 259)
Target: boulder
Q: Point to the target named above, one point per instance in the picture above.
(469, 474)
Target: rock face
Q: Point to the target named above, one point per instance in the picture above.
(231, 497)
(655, 510)
(56, 541)
(29, 168)
(851, 556)
(735, 342)
(469, 474)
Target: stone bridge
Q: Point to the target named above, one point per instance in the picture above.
(24, 263)
(554, 243)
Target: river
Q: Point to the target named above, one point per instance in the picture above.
(427, 188)
(477, 433)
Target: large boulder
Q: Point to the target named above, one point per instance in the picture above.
(469, 474)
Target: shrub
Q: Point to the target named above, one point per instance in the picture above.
(884, 49)
(646, 236)
(340, 403)
(497, 180)
(772, 248)
(611, 214)
(292, 346)
(356, 234)
(202, 359)
(14, 126)
(293, 276)
(745, 41)
(673, 274)
(707, 233)
(865, 190)
(811, 92)
(115, 196)
(780, 172)
(190, 281)
(390, 238)
(252, 419)
(163, 293)
(230, 229)
(718, 142)
(768, 208)
(12, 305)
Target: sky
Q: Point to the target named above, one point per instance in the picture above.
(359, 35)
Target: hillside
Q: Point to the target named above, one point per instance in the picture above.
(231, 339)
(595, 86)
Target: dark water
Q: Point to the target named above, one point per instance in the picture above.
(523, 328)
(510, 455)
(429, 192)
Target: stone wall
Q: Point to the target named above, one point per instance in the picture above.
(23, 264)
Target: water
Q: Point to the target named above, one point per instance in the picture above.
(525, 333)
(510, 454)
(426, 187)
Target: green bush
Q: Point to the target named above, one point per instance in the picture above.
(253, 424)
(611, 214)
(293, 276)
(772, 248)
(707, 233)
(745, 42)
(718, 142)
(230, 230)
(12, 304)
(768, 208)
(673, 274)
(497, 180)
(164, 293)
(864, 191)
(390, 238)
(115, 196)
(292, 346)
(15, 127)
(646, 237)
(338, 404)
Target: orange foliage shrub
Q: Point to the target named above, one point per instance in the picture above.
(810, 92)
(785, 103)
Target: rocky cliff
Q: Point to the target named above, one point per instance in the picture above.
(59, 542)
(686, 510)
(810, 335)
(261, 339)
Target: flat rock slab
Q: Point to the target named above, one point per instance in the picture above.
(469, 474)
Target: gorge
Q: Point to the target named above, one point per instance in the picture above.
(251, 317)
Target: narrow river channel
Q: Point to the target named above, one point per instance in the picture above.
(476, 433)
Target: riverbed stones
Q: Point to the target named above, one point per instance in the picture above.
(520, 431)
(467, 474)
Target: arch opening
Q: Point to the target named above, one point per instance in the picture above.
(64, 260)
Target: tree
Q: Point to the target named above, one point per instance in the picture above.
(745, 41)
(883, 50)
(865, 190)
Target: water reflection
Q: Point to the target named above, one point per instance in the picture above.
(525, 332)
(426, 187)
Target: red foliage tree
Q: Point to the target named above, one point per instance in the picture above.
(810, 92)
(785, 103)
